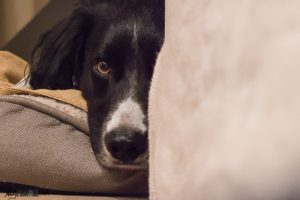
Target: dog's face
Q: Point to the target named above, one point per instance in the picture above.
(107, 49)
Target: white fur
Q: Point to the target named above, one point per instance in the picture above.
(129, 113)
(24, 83)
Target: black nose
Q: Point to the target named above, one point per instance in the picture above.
(125, 144)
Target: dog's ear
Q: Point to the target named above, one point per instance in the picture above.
(58, 57)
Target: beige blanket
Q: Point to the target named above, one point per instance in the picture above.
(225, 102)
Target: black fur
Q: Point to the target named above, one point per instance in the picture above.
(101, 30)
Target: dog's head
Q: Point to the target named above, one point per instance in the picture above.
(107, 49)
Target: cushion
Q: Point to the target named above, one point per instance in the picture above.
(225, 102)
(45, 140)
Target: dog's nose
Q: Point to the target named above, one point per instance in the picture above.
(126, 145)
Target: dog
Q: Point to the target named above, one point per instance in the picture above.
(107, 49)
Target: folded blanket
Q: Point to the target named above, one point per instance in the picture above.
(13, 69)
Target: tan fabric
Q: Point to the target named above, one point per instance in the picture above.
(13, 69)
(225, 102)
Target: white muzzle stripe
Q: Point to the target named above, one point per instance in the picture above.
(128, 114)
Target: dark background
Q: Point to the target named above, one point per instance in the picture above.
(23, 42)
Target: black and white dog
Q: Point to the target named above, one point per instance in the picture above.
(107, 49)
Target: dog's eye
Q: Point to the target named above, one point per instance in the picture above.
(102, 68)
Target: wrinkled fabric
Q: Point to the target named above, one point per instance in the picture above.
(13, 69)
(45, 148)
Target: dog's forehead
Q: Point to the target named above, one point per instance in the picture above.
(123, 37)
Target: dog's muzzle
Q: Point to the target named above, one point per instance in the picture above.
(126, 144)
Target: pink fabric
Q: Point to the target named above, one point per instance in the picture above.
(225, 102)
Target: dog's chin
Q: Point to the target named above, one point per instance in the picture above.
(108, 162)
